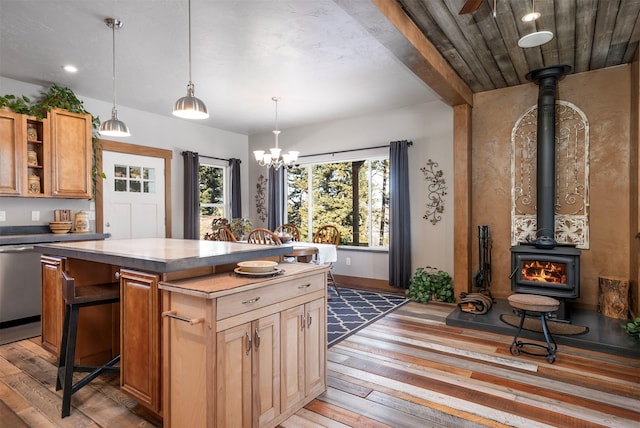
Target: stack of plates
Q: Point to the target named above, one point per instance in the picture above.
(257, 268)
(60, 227)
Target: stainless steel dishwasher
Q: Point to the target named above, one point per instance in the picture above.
(20, 284)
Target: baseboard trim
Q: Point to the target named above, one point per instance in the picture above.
(20, 321)
(371, 284)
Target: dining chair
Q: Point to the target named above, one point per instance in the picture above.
(264, 237)
(291, 229)
(225, 234)
(328, 235)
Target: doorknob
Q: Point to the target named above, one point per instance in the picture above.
(107, 224)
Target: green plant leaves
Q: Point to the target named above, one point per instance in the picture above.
(430, 283)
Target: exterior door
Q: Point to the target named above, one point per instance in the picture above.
(133, 196)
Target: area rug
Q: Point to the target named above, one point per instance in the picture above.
(355, 309)
(534, 324)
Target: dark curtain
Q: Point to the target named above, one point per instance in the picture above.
(399, 215)
(275, 212)
(191, 195)
(236, 192)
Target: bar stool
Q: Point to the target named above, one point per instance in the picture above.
(541, 306)
(76, 298)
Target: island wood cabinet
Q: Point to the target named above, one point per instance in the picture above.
(247, 355)
(51, 320)
(51, 157)
(140, 337)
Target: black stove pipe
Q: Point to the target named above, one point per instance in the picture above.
(546, 78)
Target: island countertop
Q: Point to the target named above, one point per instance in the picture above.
(161, 254)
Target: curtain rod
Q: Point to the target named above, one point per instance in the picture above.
(351, 150)
(211, 157)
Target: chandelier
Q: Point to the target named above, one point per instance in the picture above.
(274, 158)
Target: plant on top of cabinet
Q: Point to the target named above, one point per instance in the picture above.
(17, 104)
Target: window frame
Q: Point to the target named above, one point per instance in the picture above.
(226, 186)
(341, 159)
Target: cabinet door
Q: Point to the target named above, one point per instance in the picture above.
(140, 337)
(71, 150)
(52, 304)
(292, 328)
(11, 153)
(234, 388)
(266, 369)
(315, 343)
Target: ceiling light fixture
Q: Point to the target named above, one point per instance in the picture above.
(533, 15)
(535, 39)
(114, 127)
(70, 68)
(190, 107)
(273, 158)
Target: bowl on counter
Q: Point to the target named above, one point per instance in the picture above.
(60, 227)
(258, 266)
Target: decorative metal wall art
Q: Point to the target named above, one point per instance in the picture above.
(260, 198)
(572, 176)
(436, 191)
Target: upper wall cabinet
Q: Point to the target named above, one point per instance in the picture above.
(11, 153)
(45, 158)
(70, 154)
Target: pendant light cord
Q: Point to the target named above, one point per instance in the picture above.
(189, 13)
(113, 52)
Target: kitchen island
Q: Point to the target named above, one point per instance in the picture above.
(133, 328)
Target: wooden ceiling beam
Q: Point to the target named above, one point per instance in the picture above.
(391, 26)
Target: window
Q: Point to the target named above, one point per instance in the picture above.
(134, 179)
(351, 195)
(213, 195)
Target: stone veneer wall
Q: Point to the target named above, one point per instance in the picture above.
(605, 98)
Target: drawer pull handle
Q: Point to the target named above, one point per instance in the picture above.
(309, 319)
(305, 285)
(247, 302)
(191, 321)
(248, 342)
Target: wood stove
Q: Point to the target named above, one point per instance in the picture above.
(542, 266)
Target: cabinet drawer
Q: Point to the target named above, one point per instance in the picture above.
(235, 304)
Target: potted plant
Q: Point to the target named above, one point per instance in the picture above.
(633, 328)
(16, 104)
(240, 228)
(431, 283)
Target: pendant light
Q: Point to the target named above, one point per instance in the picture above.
(190, 107)
(114, 127)
(273, 158)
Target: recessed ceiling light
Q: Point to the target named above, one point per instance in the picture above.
(70, 68)
(531, 17)
(535, 39)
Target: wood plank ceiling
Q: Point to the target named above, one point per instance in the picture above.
(484, 51)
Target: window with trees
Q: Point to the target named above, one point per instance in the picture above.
(213, 195)
(351, 195)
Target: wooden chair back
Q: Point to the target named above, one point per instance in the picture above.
(264, 237)
(225, 234)
(291, 229)
(327, 235)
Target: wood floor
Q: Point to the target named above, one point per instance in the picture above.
(407, 370)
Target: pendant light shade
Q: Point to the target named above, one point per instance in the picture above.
(114, 127)
(190, 107)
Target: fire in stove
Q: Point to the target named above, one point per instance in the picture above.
(544, 271)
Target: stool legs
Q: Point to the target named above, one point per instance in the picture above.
(516, 345)
(66, 363)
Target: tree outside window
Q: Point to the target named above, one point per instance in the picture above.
(213, 196)
(353, 196)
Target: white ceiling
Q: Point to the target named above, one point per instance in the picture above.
(311, 53)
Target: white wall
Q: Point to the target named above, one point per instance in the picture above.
(147, 129)
(430, 127)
